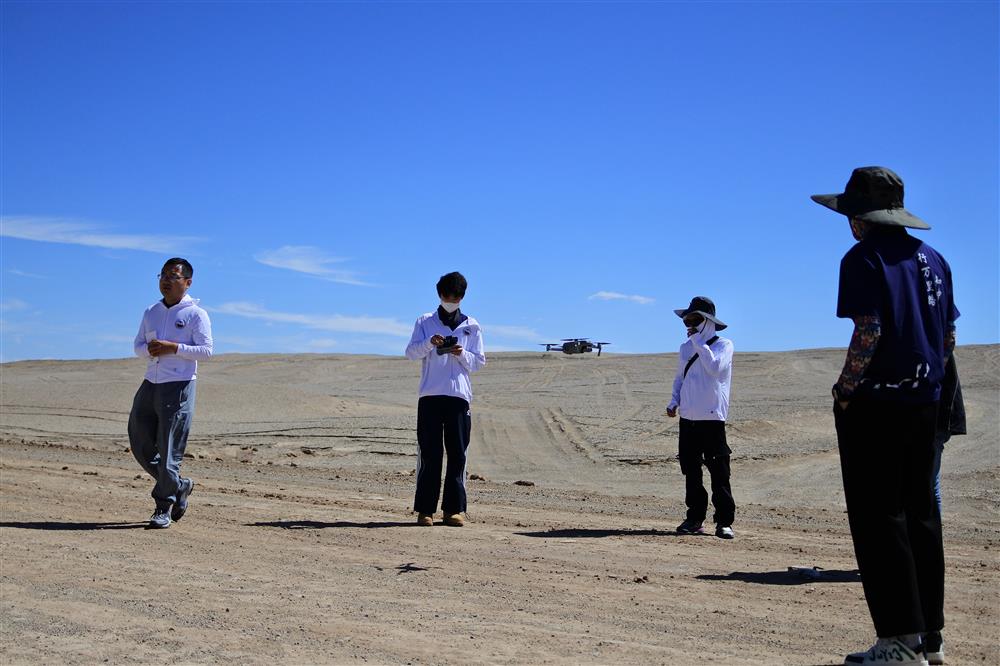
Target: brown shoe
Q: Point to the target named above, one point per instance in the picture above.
(454, 520)
(425, 519)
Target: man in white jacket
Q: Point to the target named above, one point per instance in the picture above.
(701, 394)
(174, 334)
(449, 345)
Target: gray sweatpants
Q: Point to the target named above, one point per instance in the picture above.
(158, 427)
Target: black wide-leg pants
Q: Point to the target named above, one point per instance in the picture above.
(704, 443)
(447, 418)
(887, 461)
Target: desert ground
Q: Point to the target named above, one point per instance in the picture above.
(299, 546)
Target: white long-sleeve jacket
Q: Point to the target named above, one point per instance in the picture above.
(703, 395)
(184, 323)
(446, 374)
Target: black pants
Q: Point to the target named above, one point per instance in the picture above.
(439, 415)
(887, 460)
(704, 442)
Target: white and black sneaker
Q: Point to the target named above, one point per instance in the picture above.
(160, 519)
(724, 532)
(181, 505)
(690, 527)
(934, 648)
(886, 652)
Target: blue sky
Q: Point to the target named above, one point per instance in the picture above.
(588, 166)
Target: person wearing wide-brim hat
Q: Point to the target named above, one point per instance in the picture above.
(701, 395)
(898, 291)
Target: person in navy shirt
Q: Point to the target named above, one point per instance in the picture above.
(449, 345)
(898, 292)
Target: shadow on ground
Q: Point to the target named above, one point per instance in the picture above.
(794, 577)
(595, 534)
(52, 525)
(320, 525)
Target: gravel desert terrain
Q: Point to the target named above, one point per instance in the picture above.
(300, 547)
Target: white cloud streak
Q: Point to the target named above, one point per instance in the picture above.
(339, 323)
(516, 332)
(20, 273)
(615, 296)
(75, 232)
(311, 261)
(13, 305)
(322, 344)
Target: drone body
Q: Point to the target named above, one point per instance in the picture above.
(574, 346)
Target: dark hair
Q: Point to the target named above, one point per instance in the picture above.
(186, 268)
(452, 284)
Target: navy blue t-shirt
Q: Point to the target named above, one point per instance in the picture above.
(907, 285)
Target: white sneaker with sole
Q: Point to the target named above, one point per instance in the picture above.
(888, 651)
(934, 648)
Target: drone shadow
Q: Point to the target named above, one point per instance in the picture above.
(62, 526)
(320, 525)
(788, 577)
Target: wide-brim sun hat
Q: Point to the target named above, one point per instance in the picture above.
(873, 194)
(703, 306)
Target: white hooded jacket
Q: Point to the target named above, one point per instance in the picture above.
(184, 323)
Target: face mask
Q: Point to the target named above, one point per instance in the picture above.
(703, 331)
(449, 307)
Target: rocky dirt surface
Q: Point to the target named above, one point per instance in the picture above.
(300, 548)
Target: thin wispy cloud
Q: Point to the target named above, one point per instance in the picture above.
(114, 339)
(339, 323)
(516, 332)
(13, 305)
(322, 344)
(615, 296)
(20, 273)
(311, 261)
(76, 232)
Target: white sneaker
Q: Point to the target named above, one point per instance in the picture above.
(887, 651)
(934, 648)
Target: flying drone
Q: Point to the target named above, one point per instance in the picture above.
(574, 346)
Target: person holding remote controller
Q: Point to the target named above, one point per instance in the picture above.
(450, 346)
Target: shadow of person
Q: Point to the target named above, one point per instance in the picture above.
(320, 525)
(592, 534)
(53, 525)
(793, 577)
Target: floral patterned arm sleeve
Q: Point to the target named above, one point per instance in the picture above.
(863, 342)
